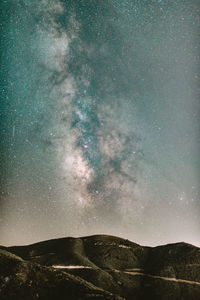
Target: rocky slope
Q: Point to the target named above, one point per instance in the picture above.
(99, 267)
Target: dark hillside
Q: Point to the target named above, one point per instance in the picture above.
(99, 267)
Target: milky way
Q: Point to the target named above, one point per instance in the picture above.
(99, 120)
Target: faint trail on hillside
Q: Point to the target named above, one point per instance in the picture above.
(161, 277)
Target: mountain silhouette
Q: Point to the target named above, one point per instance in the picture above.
(99, 267)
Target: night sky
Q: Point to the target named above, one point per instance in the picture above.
(100, 120)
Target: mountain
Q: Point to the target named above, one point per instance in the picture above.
(99, 267)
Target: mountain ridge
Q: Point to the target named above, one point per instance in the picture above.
(104, 266)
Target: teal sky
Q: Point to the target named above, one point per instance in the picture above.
(100, 120)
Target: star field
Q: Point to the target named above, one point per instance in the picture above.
(100, 120)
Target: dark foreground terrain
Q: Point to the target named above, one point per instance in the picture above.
(99, 267)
